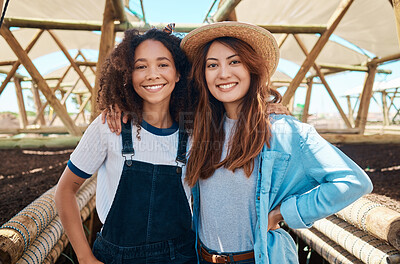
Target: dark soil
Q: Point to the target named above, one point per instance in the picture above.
(26, 174)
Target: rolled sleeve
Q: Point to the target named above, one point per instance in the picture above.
(291, 215)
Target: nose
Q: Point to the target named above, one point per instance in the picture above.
(152, 73)
(224, 72)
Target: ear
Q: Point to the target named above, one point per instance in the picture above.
(178, 76)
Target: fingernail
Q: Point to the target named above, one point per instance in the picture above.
(112, 130)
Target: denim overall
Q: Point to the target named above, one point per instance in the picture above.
(149, 220)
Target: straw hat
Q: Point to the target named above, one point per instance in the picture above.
(261, 40)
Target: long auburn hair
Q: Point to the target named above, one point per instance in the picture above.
(116, 76)
(252, 128)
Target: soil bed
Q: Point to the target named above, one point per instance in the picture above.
(27, 174)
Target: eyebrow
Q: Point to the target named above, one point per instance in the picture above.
(158, 59)
(229, 57)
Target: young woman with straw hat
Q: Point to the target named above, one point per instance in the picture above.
(250, 170)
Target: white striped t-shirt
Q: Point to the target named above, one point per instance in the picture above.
(100, 150)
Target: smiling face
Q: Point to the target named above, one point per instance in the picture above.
(154, 74)
(227, 77)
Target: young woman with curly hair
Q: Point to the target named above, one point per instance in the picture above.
(140, 198)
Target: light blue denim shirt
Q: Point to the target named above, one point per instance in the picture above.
(307, 176)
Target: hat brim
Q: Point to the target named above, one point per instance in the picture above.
(260, 39)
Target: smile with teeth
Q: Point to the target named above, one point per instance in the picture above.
(227, 85)
(153, 87)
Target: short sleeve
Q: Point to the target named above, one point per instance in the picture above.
(91, 151)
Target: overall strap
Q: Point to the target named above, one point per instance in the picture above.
(127, 144)
(182, 144)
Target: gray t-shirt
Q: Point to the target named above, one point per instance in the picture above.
(227, 206)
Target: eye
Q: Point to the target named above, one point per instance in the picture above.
(139, 67)
(164, 65)
(212, 65)
(235, 62)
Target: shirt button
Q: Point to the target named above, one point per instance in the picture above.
(259, 255)
(258, 197)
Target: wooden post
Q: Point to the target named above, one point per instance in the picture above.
(366, 95)
(324, 82)
(71, 60)
(385, 109)
(282, 39)
(396, 7)
(82, 108)
(79, 99)
(89, 63)
(224, 10)
(316, 50)
(41, 109)
(17, 63)
(65, 96)
(291, 105)
(106, 46)
(38, 104)
(23, 119)
(307, 102)
(350, 114)
(37, 77)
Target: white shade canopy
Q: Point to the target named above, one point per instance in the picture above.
(369, 24)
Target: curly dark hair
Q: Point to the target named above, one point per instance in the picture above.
(116, 75)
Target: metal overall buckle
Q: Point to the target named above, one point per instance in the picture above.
(128, 162)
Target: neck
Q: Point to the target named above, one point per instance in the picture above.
(157, 116)
(232, 110)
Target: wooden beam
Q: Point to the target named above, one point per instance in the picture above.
(304, 118)
(41, 109)
(71, 60)
(86, 63)
(43, 23)
(106, 45)
(142, 7)
(65, 97)
(23, 119)
(225, 10)
(79, 99)
(14, 68)
(324, 82)
(362, 139)
(365, 100)
(231, 16)
(49, 142)
(282, 40)
(7, 63)
(30, 67)
(396, 8)
(385, 110)
(385, 59)
(38, 104)
(349, 68)
(119, 14)
(350, 114)
(316, 50)
(91, 64)
(209, 10)
(118, 27)
(83, 105)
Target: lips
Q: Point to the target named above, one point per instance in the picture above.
(154, 87)
(227, 86)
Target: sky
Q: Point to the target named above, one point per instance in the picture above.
(183, 11)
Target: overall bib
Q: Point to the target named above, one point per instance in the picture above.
(149, 220)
